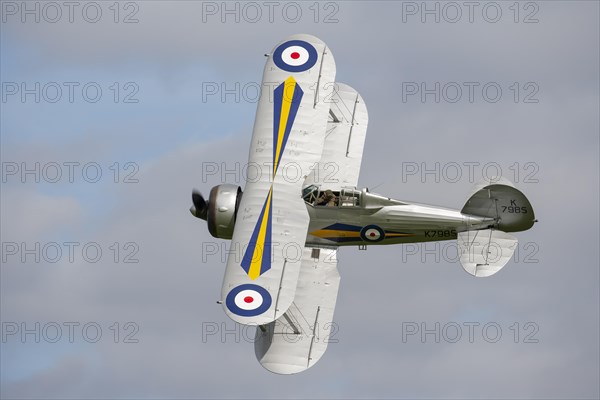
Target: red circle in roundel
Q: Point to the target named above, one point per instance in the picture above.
(372, 233)
(248, 299)
(295, 55)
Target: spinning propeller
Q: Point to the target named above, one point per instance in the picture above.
(200, 207)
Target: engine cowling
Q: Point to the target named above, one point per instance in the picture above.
(223, 204)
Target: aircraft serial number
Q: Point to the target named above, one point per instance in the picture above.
(441, 233)
(514, 209)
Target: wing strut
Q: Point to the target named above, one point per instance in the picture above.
(312, 340)
(351, 126)
(316, 100)
(279, 290)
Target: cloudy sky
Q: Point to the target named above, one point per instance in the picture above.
(112, 112)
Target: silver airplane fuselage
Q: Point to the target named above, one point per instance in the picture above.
(360, 218)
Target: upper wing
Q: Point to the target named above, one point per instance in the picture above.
(272, 220)
(298, 339)
(346, 133)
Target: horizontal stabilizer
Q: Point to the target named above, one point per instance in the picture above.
(485, 252)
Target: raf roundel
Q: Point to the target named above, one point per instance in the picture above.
(295, 56)
(248, 300)
(372, 233)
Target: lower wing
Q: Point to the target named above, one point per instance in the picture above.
(298, 339)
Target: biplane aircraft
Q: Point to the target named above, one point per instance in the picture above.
(281, 273)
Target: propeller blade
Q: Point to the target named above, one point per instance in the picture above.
(200, 207)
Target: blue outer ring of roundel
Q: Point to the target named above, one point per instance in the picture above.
(230, 301)
(363, 233)
(312, 56)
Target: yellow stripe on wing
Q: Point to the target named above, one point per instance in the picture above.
(286, 103)
(257, 257)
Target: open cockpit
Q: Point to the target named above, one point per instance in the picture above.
(346, 197)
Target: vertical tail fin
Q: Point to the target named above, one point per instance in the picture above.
(503, 202)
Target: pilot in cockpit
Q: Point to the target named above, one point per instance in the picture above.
(327, 198)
